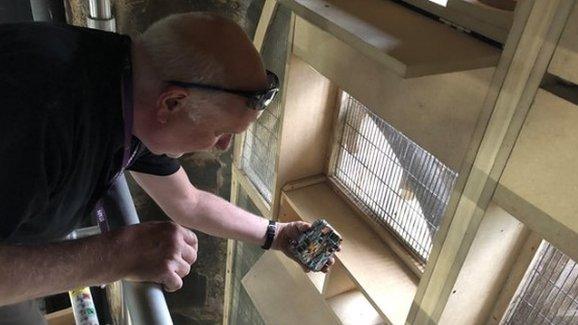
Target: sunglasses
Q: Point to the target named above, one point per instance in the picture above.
(257, 100)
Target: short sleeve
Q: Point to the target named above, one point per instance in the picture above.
(149, 163)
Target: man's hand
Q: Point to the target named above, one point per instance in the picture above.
(287, 232)
(160, 252)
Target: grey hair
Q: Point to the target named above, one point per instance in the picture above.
(172, 53)
(174, 56)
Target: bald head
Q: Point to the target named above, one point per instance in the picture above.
(204, 48)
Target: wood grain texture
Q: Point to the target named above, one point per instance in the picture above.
(406, 42)
(540, 183)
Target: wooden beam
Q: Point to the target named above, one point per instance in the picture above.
(515, 277)
(267, 14)
(541, 22)
(564, 63)
(406, 42)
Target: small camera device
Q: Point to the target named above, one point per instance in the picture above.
(316, 245)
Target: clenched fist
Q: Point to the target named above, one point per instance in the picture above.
(160, 252)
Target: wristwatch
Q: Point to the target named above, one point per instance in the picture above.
(270, 235)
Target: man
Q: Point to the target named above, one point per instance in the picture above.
(67, 97)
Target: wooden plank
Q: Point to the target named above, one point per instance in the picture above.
(471, 15)
(539, 183)
(404, 41)
(564, 63)
(282, 293)
(267, 14)
(305, 126)
(61, 317)
(382, 277)
(437, 112)
(515, 277)
(537, 24)
(494, 250)
(352, 308)
(337, 282)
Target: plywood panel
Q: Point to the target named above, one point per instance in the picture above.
(437, 112)
(405, 41)
(493, 252)
(283, 294)
(540, 183)
(352, 308)
(385, 280)
(565, 60)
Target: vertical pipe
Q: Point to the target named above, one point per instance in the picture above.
(100, 15)
(145, 301)
(48, 10)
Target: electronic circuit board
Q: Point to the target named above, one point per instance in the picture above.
(315, 246)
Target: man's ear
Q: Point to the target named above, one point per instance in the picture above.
(170, 101)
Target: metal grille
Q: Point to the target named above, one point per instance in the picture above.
(396, 182)
(549, 293)
(261, 139)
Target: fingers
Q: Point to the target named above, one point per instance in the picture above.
(329, 263)
(182, 268)
(189, 254)
(172, 282)
(190, 237)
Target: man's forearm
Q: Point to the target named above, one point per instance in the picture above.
(28, 272)
(215, 216)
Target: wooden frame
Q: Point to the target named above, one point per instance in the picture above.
(487, 134)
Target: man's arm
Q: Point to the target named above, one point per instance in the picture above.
(206, 212)
(159, 252)
(201, 210)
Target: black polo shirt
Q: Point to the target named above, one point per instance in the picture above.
(61, 127)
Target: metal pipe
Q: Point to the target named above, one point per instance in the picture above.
(145, 301)
(48, 10)
(100, 9)
(100, 15)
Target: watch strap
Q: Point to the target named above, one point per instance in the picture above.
(270, 235)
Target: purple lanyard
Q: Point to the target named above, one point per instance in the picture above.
(127, 116)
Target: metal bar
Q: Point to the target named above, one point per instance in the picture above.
(100, 16)
(145, 301)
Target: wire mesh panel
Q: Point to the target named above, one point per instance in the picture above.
(396, 182)
(549, 292)
(260, 147)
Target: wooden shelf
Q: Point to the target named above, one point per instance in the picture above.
(352, 308)
(539, 183)
(283, 295)
(473, 15)
(374, 269)
(408, 43)
(564, 63)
